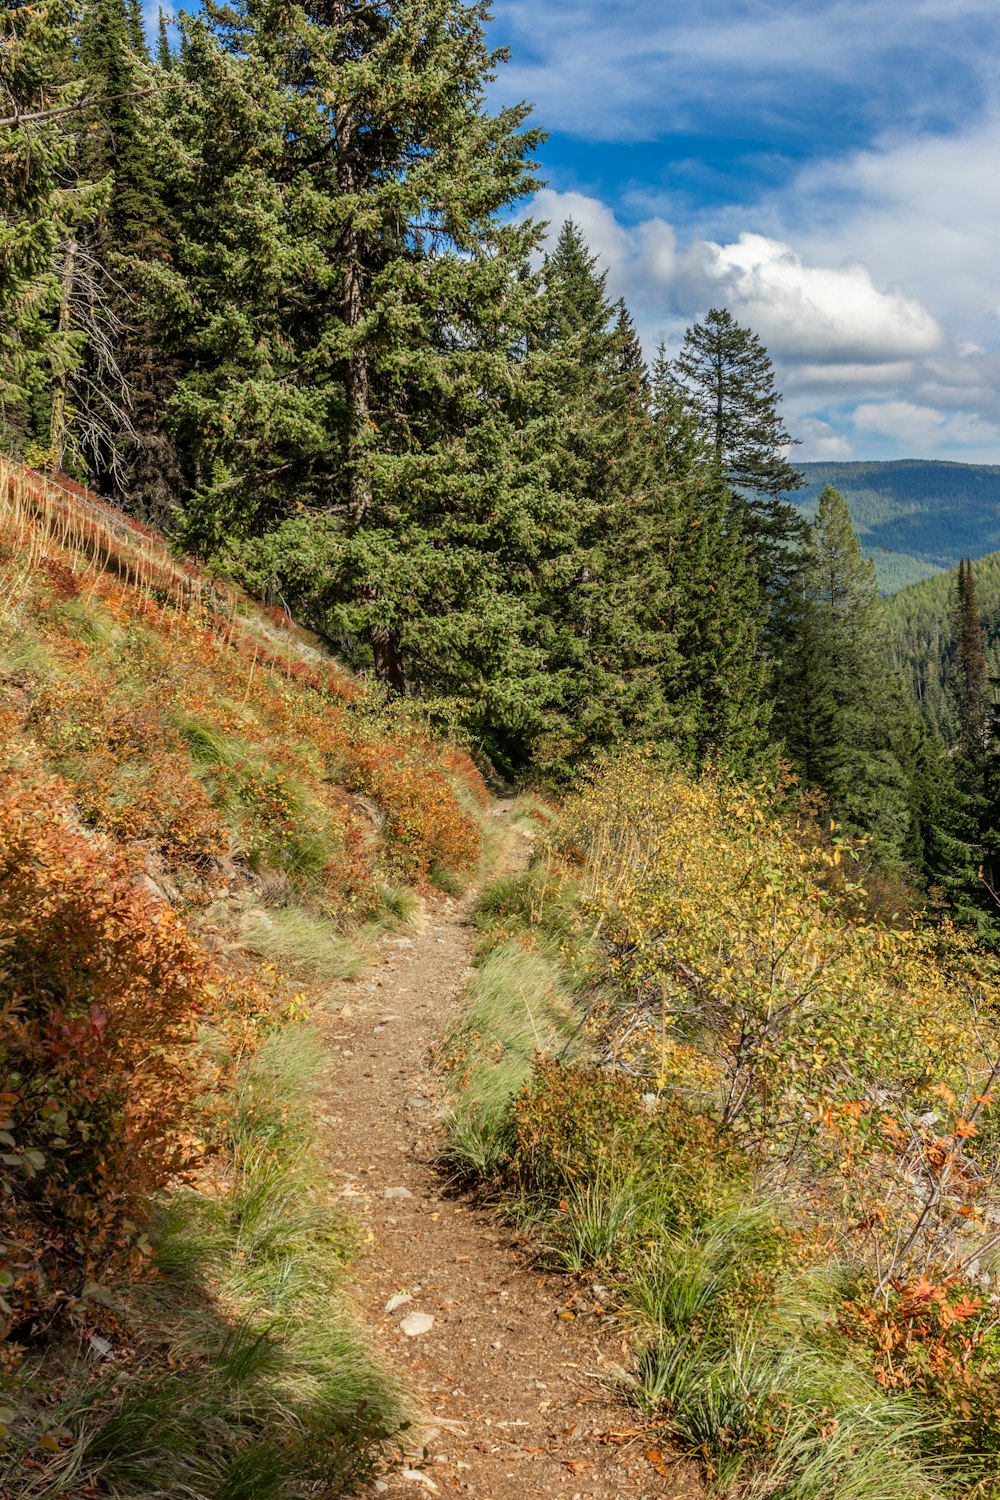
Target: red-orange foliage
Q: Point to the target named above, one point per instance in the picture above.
(100, 993)
(935, 1338)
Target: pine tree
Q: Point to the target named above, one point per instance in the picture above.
(844, 719)
(650, 604)
(119, 397)
(726, 375)
(348, 297)
(43, 204)
(164, 53)
(678, 423)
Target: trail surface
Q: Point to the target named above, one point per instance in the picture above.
(511, 1374)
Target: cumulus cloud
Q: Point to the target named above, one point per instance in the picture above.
(802, 311)
(828, 318)
(861, 364)
(820, 442)
(859, 242)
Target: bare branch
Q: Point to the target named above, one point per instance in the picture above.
(35, 116)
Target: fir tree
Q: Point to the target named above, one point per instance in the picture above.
(44, 204)
(842, 715)
(122, 391)
(650, 605)
(969, 672)
(164, 53)
(678, 423)
(726, 375)
(351, 338)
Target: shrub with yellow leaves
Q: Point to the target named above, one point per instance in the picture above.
(856, 1059)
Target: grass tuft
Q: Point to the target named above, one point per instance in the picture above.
(257, 1381)
(292, 935)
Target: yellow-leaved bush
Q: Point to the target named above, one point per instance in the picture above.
(864, 1051)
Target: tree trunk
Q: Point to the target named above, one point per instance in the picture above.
(389, 667)
(57, 428)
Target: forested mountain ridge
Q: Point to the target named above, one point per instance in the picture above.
(921, 621)
(915, 517)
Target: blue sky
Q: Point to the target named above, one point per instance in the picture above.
(827, 169)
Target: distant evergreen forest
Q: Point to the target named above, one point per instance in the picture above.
(915, 518)
(263, 285)
(922, 620)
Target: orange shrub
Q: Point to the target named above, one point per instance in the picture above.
(100, 993)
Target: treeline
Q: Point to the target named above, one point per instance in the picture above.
(269, 289)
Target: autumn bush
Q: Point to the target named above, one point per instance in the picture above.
(133, 668)
(777, 1141)
(176, 782)
(102, 993)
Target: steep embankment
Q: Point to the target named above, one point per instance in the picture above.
(204, 826)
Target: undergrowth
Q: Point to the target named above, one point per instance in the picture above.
(202, 818)
(247, 1375)
(762, 1122)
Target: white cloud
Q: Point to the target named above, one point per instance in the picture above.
(819, 441)
(918, 211)
(807, 311)
(856, 378)
(838, 333)
(920, 428)
(637, 69)
(827, 318)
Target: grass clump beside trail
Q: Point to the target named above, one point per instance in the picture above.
(239, 1369)
(764, 1122)
(293, 936)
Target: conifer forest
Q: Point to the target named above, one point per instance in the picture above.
(368, 584)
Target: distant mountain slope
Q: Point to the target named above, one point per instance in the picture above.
(914, 517)
(920, 619)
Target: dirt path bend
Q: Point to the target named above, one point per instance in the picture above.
(510, 1374)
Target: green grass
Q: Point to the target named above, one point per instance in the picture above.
(398, 907)
(519, 1008)
(293, 935)
(89, 620)
(251, 1379)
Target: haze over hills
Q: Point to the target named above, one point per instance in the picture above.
(915, 518)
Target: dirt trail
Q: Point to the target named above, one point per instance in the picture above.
(509, 1376)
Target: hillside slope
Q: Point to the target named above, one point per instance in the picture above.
(914, 517)
(204, 824)
(920, 620)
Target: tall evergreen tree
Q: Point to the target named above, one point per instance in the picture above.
(348, 297)
(43, 204)
(650, 607)
(678, 422)
(843, 717)
(727, 377)
(120, 395)
(971, 686)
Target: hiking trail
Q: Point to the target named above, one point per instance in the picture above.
(510, 1379)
